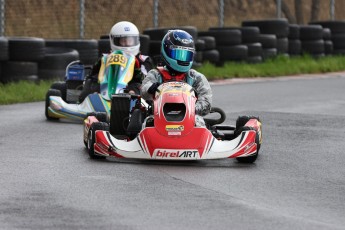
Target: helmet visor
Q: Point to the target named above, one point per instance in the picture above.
(180, 53)
(126, 41)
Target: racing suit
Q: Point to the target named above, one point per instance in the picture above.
(195, 79)
(143, 64)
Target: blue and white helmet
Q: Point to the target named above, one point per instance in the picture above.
(178, 50)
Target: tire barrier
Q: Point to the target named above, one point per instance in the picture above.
(295, 46)
(337, 29)
(4, 55)
(88, 49)
(312, 42)
(13, 71)
(209, 52)
(55, 61)
(29, 58)
(28, 49)
(277, 27)
(327, 36)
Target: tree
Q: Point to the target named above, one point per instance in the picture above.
(299, 14)
(315, 10)
(299, 11)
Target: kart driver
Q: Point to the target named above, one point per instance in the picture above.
(177, 52)
(123, 36)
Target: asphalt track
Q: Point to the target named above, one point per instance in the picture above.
(47, 180)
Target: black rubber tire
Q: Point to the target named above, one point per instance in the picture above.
(198, 57)
(268, 41)
(338, 51)
(13, 71)
(295, 47)
(91, 138)
(337, 26)
(101, 116)
(250, 159)
(278, 27)
(51, 92)
(103, 47)
(233, 53)
(269, 53)
(249, 34)
(156, 34)
(338, 41)
(199, 45)
(224, 37)
(87, 49)
(4, 55)
(55, 61)
(242, 120)
(144, 44)
(210, 42)
(326, 34)
(293, 32)
(282, 45)
(313, 47)
(310, 32)
(329, 47)
(211, 56)
(155, 48)
(26, 49)
(254, 59)
(61, 86)
(254, 49)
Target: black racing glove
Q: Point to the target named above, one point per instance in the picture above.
(153, 88)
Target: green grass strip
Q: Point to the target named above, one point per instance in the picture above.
(23, 91)
(279, 66)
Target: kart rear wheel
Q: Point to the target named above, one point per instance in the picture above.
(51, 92)
(252, 158)
(100, 116)
(242, 120)
(91, 138)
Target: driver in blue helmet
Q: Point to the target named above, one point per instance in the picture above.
(177, 52)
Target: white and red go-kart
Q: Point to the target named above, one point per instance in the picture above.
(170, 133)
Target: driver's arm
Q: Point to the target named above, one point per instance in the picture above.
(150, 84)
(204, 93)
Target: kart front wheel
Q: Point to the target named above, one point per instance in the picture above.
(252, 158)
(51, 92)
(91, 138)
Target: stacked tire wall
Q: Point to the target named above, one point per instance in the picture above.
(30, 58)
(337, 29)
(312, 42)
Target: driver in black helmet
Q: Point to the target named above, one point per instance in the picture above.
(178, 52)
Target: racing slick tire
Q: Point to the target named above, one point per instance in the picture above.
(252, 158)
(91, 138)
(100, 116)
(61, 86)
(242, 120)
(51, 92)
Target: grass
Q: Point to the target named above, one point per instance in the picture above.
(23, 91)
(281, 66)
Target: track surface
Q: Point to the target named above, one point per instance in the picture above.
(48, 181)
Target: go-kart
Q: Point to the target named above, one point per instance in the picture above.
(168, 132)
(62, 98)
